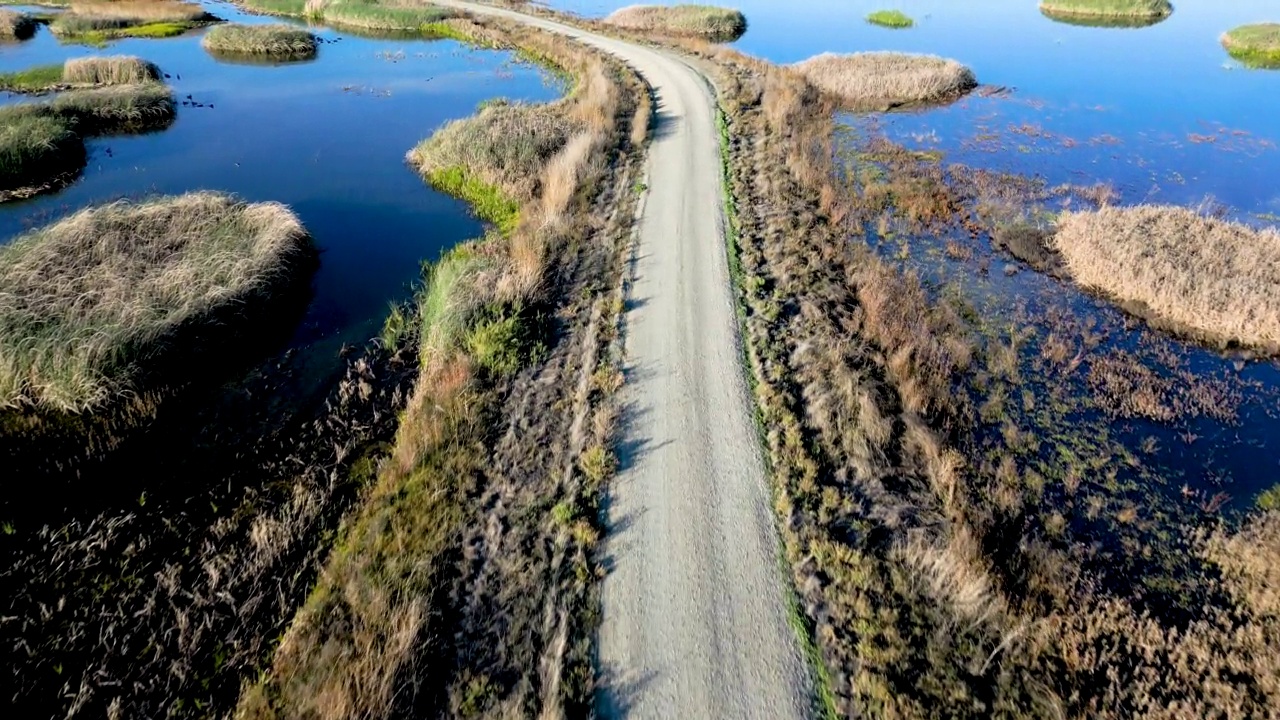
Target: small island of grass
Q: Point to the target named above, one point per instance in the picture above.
(81, 72)
(37, 149)
(275, 41)
(1201, 277)
(15, 25)
(97, 21)
(1107, 13)
(1256, 46)
(885, 80)
(895, 19)
(95, 305)
(705, 21)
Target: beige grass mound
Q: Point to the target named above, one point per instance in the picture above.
(109, 70)
(705, 21)
(1211, 279)
(276, 40)
(15, 25)
(881, 80)
(92, 303)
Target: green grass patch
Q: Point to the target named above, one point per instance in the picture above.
(116, 108)
(1269, 499)
(487, 201)
(1119, 13)
(891, 19)
(1256, 46)
(36, 79)
(92, 304)
(262, 40)
(277, 7)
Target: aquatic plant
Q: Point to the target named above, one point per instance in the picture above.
(705, 21)
(110, 70)
(1119, 10)
(35, 149)
(1208, 278)
(94, 302)
(95, 21)
(880, 80)
(35, 79)
(15, 25)
(1256, 46)
(891, 19)
(273, 40)
(116, 108)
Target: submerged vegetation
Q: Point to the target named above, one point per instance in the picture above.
(93, 303)
(272, 40)
(97, 21)
(1255, 45)
(15, 25)
(81, 72)
(881, 80)
(1209, 278)
(891, 19)
(709, 22)
(1119, 13)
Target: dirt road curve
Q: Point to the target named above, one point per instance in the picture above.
(694, 617)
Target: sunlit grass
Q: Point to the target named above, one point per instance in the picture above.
(707, 21)
(34, 79)
(1255, 45)
(272, 40)
(891, 19)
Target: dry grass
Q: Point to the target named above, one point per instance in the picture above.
(1211, 278)
(274, 40)
(454, 547)
(110, 70)
(704, 21)
(97, 20)
(15, 25)
(91, 303)
(1254, 45)
(878, 80)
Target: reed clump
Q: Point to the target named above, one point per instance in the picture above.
(15, 25)
(895, 19)
(709, 22)
(35, 148)
(116, 108)
(101, 20)
(1208, 278)
(270, 40)
(1119, 10)
(81, 72)
(883, 80)
(1255, 45)
(93, 303)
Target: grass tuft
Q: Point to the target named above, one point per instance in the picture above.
(704, 21)
(15, 25)
(880, 80)
(274, 40)
(1256, 46)
(92, 303)
(895, 19)
(1208, 278)
(35, 147)
(372, 15)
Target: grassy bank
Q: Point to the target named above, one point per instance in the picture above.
(946, 556)
(36, 149)
(895, 19)
(1209, 278)
(15, 25)
(418, 607)
(373, 15)
(96, 301)
(880, 80)
(1117, 10)
(709, 22)
(81, 72)
(97, 21)
(266, 40)
(1254, 45)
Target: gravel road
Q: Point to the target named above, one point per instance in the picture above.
(694, 607)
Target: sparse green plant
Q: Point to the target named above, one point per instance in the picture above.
(597, 464)
(1269, 499)
(895, 19)
(374, 15)
(116, 108)
(1256, 46)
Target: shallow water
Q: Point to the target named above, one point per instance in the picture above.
(1161, 113)
(327, 137)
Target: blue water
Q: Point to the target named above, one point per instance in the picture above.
(327, 137)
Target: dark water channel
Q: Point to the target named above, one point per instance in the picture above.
(1160, 113)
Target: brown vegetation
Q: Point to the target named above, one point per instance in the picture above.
(705, 21)
(463, 585)
(15, 25)
(1209, 278)
(882, 80)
